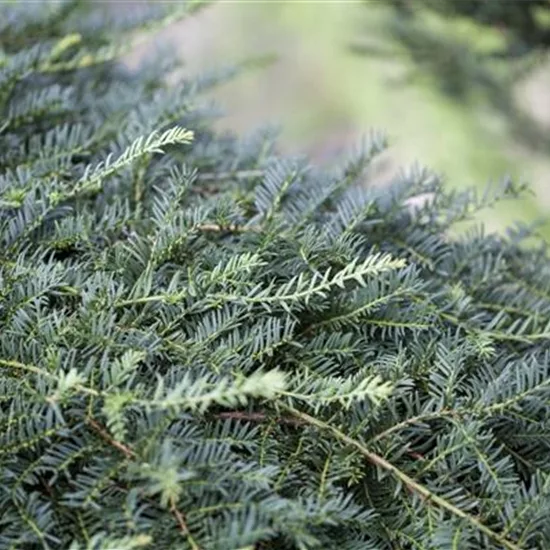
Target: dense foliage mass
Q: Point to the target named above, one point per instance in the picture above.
(206, 346)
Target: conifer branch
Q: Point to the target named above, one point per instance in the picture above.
(128, 452)
(427, 495)
(413, 420)
(364, 308)
(93, 177)
(17, 365)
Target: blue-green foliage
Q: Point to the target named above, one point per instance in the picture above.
(206, 346)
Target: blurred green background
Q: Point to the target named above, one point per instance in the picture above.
(343, 68)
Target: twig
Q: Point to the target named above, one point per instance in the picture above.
(104, 434)
(180, 518)
(128, 452)
(415, 487)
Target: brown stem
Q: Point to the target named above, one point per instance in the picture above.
(104, 434)
(180, 518)
(128, 452)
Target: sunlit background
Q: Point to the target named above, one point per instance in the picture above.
(343, 68)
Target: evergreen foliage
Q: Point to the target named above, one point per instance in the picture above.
(524, 23)
(470, 50)
(206, 346)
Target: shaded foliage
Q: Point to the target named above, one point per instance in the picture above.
(470, 50)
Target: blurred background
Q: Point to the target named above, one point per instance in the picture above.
(462, 86)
